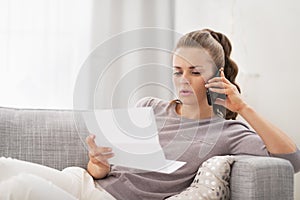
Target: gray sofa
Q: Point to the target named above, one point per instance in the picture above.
(54, 138)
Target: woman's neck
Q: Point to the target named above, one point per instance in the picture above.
(194, 111)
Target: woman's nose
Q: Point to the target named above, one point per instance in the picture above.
(185, 78)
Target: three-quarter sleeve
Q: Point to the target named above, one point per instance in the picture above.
(294, 158)
(144, 102)
(242, 140)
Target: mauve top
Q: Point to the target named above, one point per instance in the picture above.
(192, 141)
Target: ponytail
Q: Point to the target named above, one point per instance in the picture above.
(230, 67)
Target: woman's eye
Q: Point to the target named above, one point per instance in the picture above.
(196, 73)
(177, 73)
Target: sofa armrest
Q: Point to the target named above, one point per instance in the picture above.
(261, 178)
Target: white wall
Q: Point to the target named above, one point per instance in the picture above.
(42, 45)
(45, 43)
(114, 23)
(266, 44)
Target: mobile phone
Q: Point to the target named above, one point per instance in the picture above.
(212, 96)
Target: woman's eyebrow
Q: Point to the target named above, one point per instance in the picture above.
(191, 67)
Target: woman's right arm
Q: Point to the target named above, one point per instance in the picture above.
(98, 165)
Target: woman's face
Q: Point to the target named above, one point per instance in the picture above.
(192, 68)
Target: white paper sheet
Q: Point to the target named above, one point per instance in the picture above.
(132, 134)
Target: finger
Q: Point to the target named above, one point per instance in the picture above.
(90, 140)
(104, 150)
(98, 161)
(219, 79)
(229, 90)
(215, 85)
(220, 90)
(222, 72)
(104, 157)
(100, 155)
(215, 79)
(98, 151)
(222, 75)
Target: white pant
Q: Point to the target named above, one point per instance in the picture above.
(20, 180)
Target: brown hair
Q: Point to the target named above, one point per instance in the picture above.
(219, 48)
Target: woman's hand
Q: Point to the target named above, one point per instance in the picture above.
(276, 141)
(98, 165)
(233, 101)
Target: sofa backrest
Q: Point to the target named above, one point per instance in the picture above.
(54, 138)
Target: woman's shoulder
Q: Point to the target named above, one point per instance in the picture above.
(235, 124)
(152, 102)
(160, 107)
(237, 129)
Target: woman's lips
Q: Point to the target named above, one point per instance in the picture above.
(186, 92)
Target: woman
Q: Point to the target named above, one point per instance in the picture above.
(198, 55)
(190, 130)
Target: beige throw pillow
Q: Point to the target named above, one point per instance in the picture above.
(210, 182)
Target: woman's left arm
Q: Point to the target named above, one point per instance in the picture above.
(276, 141)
